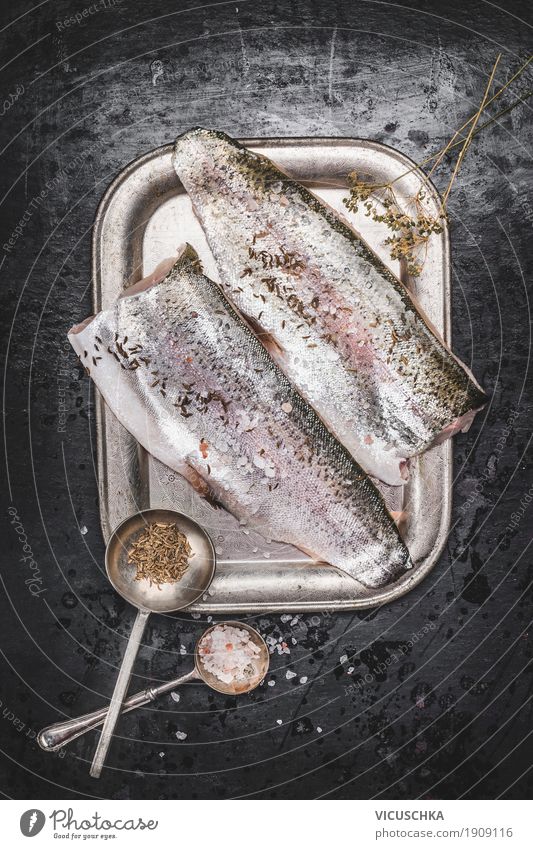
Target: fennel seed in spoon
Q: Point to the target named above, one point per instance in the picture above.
(160, 554)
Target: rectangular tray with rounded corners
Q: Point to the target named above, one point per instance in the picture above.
(143, 217)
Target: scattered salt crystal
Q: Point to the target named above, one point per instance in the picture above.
(83, 530)
(343, 658)
(279, 721)
(175, 696)
(318, 728)
(271, 683)
(290, 674)
(161, 754)
(303, 679)
(294, 641)
(209, 618)
(266, 554)
(285, 617)
(255, 550)
(350, 670)
(183, 649)
(195, 615)
(295, 620)
(181, 735)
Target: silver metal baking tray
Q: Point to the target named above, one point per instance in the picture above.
(143, 217)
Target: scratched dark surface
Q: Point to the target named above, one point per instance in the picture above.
(446, 715)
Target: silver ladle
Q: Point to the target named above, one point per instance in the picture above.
(54, 737)
(149, 598)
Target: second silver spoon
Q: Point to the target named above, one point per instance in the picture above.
(54, 737)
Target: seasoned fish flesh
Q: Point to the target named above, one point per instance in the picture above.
(188, 378)
(341, 326)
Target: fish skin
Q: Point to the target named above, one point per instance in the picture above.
(209, 401)
(342, 327)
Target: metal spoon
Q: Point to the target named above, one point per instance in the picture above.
(149, 598)
(56, 736)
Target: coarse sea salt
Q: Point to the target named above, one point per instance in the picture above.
(229, 654)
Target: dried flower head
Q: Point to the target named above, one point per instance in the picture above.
(411, 232)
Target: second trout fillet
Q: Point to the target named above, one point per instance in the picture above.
(341, 326)
(187, 377)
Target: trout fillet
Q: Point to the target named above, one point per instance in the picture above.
(341, 326)
(188, 378)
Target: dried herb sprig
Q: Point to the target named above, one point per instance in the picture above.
(412, 224)
(459, 134)
(160, 554)
(410, 232)
(468, 138)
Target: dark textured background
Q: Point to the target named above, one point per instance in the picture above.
(450, 718)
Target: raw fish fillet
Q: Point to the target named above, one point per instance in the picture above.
(341, 326)
(191, 382)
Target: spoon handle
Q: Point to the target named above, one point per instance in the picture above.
(54, 737)
(119, 693)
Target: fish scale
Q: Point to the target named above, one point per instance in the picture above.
(341, 326)
(188, 378)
